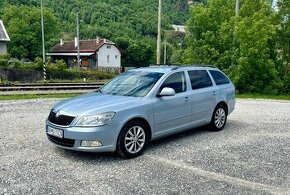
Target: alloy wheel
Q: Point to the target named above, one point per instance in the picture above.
(219, 117)
(134, 139)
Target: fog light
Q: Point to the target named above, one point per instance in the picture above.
(93, 143)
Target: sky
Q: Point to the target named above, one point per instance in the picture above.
(274, 5)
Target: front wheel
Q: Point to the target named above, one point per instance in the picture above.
(133, 139)
(219, 118)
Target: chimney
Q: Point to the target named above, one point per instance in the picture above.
(105, 41)
(76, 41)
(97, 40)
(61, 42)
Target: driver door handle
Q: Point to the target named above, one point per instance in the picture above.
(186, 99)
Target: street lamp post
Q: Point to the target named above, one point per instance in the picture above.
(158, 34)
(78, 40)
(43, 47)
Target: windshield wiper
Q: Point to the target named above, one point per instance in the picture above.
(99, 90)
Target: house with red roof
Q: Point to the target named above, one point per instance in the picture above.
(98, 54)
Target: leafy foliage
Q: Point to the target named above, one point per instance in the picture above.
(23, 26)
(283, 63)
(133, 24)
(244, 46)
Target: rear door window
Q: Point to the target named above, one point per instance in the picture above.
(219, 77)
(199, 79)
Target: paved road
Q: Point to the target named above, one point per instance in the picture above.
(251, 156)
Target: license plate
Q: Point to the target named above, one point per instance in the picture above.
(54, 132)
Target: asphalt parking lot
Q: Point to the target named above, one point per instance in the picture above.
(250, 156)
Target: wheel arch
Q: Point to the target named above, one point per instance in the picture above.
(142, 120)
(224, 104)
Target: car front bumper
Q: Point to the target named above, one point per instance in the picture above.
(73, 136)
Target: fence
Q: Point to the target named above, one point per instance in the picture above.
(12, 74)
(23, 75)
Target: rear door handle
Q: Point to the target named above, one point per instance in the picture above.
(186, 99)
(214, 92)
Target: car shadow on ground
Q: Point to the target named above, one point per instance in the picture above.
(93, 157)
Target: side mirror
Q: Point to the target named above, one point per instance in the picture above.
(166, 91)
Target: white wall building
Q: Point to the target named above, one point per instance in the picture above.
(4, 38)
(179, 28)
(108, 56)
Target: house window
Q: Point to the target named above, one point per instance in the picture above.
(85, 62)
(116, 57)
(108, 58)
(108, 46)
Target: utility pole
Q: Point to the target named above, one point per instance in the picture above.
(43, 47)
(237, 7)
(165, 51)
(158, 34)
(78, 40)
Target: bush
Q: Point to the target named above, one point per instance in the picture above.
(72, 74)
(59, 70)
(4, 59)
(5, 56)
(286, 87)
(55, 71)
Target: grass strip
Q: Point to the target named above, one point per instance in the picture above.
(37, 96)
(68, 95)
(261, 96)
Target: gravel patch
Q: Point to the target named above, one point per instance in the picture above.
(250, 156)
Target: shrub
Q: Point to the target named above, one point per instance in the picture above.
(4, 59)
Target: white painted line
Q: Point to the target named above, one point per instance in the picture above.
(221, 177)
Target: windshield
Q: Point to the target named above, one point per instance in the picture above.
(132, 83)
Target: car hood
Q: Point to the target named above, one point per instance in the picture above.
(93, 103)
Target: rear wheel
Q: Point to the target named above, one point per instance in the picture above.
(133, 139)
(219, 118)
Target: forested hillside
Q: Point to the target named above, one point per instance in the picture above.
(132, 24)
(251, 44)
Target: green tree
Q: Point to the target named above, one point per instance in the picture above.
(284, 42)
(256, 31)
(243, 46)
(135, 53)
(24, 28)
(112, 19)
(209, 40)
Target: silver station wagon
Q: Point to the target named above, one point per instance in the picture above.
(141, 105)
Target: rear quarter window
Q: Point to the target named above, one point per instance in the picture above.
(219, 77)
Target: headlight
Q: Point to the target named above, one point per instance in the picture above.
(95, 120)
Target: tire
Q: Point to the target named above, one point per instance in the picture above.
(219, 118)
(133, 139)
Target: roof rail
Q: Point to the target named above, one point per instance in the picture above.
(193, 65)
(162, 66)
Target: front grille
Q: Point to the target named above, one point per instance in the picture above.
(62, 120)
(61, 141)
